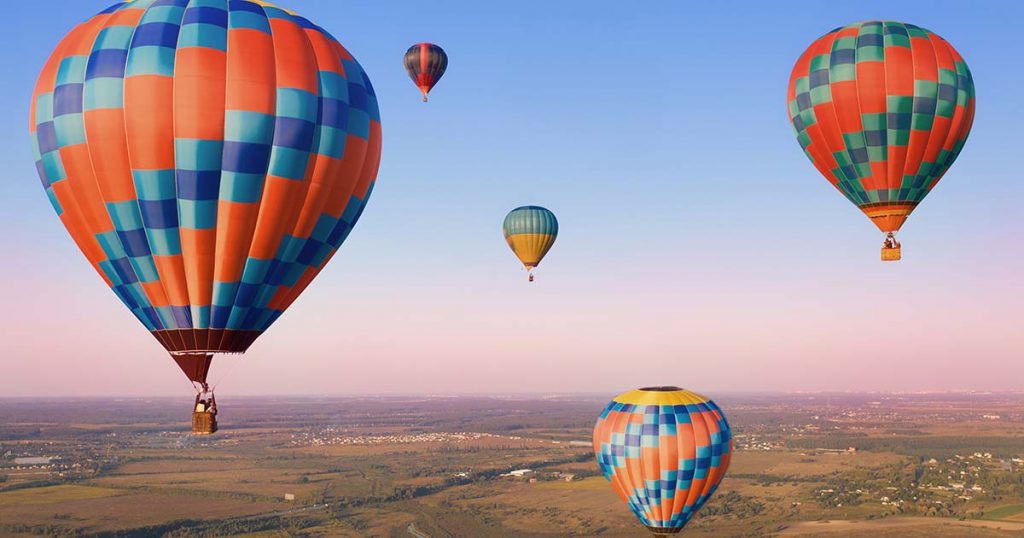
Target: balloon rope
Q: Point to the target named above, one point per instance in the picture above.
(224, 375)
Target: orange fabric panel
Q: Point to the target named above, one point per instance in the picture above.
(348, 175)
(324, 170)
(155, 292)
(84, 188)
(149, 120)
(847, 106)
(172, 274)
(296, 62)
(251, 81)
(198, 249)
(899, 71)
(278, 212)
(235, 223)
(371, 162)
(105, 131)
(871, 87)
(199, 93)
(327, 58)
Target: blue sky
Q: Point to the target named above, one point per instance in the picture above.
(694, 234)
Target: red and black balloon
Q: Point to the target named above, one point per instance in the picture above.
(425, 63)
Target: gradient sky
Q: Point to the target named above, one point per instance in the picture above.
(697, 246)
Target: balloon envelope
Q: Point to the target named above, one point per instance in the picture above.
(426, 64)
(664, 450)
(882, 109)
(208, 158)
(530, 231)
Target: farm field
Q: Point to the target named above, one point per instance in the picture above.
(804, 465)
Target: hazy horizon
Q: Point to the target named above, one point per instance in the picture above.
(697, 247)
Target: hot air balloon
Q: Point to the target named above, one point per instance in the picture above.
(425, 63)
(664, 450)
(530, 231)
(882, 109)
(208, 157)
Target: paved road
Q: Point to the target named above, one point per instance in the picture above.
(415, 532)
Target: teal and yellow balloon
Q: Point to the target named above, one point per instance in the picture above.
(530, 231)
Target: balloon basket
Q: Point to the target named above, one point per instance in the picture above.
(203, 422)
(891, 254)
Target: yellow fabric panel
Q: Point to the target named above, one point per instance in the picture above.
(530, 248)
(652, 397)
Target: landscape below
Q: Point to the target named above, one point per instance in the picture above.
(935, 465)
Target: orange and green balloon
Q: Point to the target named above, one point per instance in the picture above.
(882, 109)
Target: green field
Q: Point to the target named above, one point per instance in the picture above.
(54, 494)
(1006, 512)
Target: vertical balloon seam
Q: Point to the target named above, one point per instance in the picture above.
(843, 183)
(914, 151)
(619, 482)
(260, 125)
(887, 180)
(161, 301)
(693, 493)
(656, 509)
(709, 482)
(369, 161)
(679, 501)
(201, 291)
(857, 133)
(233, 321)
(959, 139)
(925, 176)
(937, 140)
(297, 244)
(248, 322)
(71, 216)
(634, 471)
(288, 248)
(348, 188)
(819, 152)
(847, 175)
(895, 159)
(130, 264)
(164, 307)
(155, 319)
(61, 55)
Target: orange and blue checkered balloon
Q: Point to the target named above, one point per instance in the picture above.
(882, 109)
(208, 157)
(664, 450)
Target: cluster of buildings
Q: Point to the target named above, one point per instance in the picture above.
(327, 437)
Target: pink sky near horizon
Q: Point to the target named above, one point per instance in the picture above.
(710, 324)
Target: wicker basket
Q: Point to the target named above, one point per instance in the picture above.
(890, 254)
(203, 422)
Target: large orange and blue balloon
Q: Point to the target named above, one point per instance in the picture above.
(426, 64)
(882, 109)
(530, 231)
(208, 157)
(664, 450)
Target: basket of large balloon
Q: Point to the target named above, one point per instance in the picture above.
(891, 249)
(204, 422)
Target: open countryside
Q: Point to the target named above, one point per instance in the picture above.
(935, 465)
